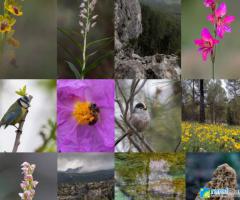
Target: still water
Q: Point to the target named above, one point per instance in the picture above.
(149, 176)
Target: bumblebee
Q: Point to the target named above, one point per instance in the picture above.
(95, 113)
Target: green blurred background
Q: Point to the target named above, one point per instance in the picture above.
(227, 65)
(36, 31)
(68, 19)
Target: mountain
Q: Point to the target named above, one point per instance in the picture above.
(71, 176)
(75, 170)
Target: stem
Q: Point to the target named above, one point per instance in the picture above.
(213, 65)
(213, 56)
(2, 35)
(19, 133)
(85, 41)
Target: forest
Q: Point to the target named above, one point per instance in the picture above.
(211, 101)
(210, 114)
(161, 29)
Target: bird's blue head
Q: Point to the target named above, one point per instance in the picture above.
(25, 101)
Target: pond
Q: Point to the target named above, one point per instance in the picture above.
(148, 176)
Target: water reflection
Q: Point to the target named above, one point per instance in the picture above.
(150, 176)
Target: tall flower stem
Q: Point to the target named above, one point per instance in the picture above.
(1, 34)
(213, 56)
(85, 40)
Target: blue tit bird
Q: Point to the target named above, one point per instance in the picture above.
(16, 112)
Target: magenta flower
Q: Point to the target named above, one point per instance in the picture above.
(210, 4)
(222, 22)
(85, 115)
(206, 43)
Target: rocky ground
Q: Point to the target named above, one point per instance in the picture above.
(128, 27)
(103, 190)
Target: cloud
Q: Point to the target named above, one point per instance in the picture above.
(88, 162)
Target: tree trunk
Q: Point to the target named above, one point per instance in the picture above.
(193, 101)
(202, 105)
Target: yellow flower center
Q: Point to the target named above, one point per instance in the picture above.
(85, 113)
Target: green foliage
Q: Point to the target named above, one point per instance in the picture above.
(76, 63)
(161, 32)
(48, 135)
(49, 85)
(74, 70)
(22, 91)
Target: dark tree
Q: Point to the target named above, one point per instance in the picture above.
(202, 105)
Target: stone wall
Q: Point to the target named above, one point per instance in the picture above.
(103, 190)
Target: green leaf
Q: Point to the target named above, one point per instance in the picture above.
(68, 35)
(91, 54)
(74, 70)
(22, 91)
(77, 60)
(98, 41)
(97, 62)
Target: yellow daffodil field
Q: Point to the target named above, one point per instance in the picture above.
(198, 137)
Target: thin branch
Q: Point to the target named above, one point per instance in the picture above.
(140, 87)
(120, 105)
(139, 137)
(120, 90)
(135, 144)
(19, 133)
(132, 96)
(126, 133)
(178, 145)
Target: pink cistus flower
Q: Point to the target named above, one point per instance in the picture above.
(210, 4)
(28, 185)
(221, 20)
(206, 43)
(85, 115)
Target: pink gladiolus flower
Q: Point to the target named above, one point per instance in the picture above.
(221, 20)
(210, 4)
(206, 43)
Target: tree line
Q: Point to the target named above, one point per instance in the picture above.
(161, 32)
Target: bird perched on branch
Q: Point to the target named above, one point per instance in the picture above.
(139, 119)
(16, 112)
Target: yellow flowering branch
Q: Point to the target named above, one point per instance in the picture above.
(9, 10)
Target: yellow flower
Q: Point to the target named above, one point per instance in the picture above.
(13, 7)
(6, 23)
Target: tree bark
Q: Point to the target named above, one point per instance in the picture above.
(193, 101)
(202, 105)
